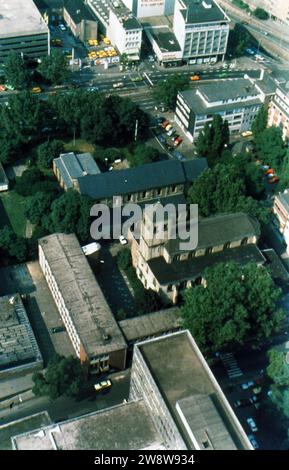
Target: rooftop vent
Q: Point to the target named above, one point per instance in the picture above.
(207, 4)
(106, 337)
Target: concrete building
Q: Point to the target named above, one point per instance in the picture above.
(281, 211)
(145, 183)
(80, 20)
(89, 322)
(164, 267)
(69, 167)
(119, 24)
(278, 111)
(236, 101)
(202, 30)
(22, 30)
(147, 8)
(4, 182)
(163, 40)
(19, 351)
(175, 403)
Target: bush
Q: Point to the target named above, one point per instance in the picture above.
(261, 14)
(124, 259)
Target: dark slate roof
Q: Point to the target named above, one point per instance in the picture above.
(131, 23)
(179, 271)
(78, 11)
(198, 13)
(141, 178)
(72, 166)
(220, 229)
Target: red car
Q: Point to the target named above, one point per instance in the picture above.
(2, 87)
(275, 179)
(165, 124)
(178, 141)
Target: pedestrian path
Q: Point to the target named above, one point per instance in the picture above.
(231, 365)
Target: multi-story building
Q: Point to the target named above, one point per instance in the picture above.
(278, 112)
(118, 23)
(202, 30)
(148, 8)
(19, 352)
(175, 403)
(164, 266)
(22, 30)
(236, 101)
(80, 20)
(281, 211)
(89, 322)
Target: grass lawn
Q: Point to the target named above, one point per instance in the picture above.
(81, 146)
(12, 211)
(14, 428)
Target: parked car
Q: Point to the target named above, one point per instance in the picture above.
(275, 179)
(178, 141)
(122, 240)
(252, 424)
(102, 385)
(171, 131)
(57, 329)
(62, 27)
(257, 390)
(178, 155)
(165, 123)
(162, 139)
(168, 127)
(253, 441)
(247, 385)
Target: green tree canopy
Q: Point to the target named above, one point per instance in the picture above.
(213, 139)
(167, 90)
(237, 302)
(63, 376)
(25, 184)
(143, 154)
(12, 245)
(261, 14)
(49, 150)
(278, 368)
(16, 72)
(270, 147)
(54, 68)
(260, 121)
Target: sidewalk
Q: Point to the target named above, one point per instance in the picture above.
(13, 386)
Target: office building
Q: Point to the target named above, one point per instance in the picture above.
(236, 101)
(175, 403)
(278, 111)
(19, 351)
(202, 30)
(22, 30)
(80, 20)
(148, 8)
(89, 322)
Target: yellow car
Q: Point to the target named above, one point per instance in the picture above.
(36, 89)
(106, 41)
(102, 385)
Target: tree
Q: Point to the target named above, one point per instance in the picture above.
(166, 90)
(143, 154)
(37, 206)
(278, 368)
(270, 147)
(124, 59)
(63, 376)
(261, 14)
(25, 184)
(239, 40)
(54, 68)
(124, 259)
(49, 150)
(225, 188)
(16, 71)
(13, 245)
(236, 302)
(213, 139)
(260, 121)
(147, 301)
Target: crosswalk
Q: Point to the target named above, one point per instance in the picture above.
(231, 365)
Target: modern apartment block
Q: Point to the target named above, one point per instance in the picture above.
(91, 327)
(22, 30)
(165, 266)
(80, 20)
(278, 112)
(118, 23)
(202, 30)
(175, 403)
(236, 101)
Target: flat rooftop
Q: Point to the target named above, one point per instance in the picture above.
(165, 39)
(182, 375)
(18, 345)
(202, 11)
(88, 309)
(124, 427)
(103, 7)
(20, 18)
(284, 199)
(214, 92)
(151, 324)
